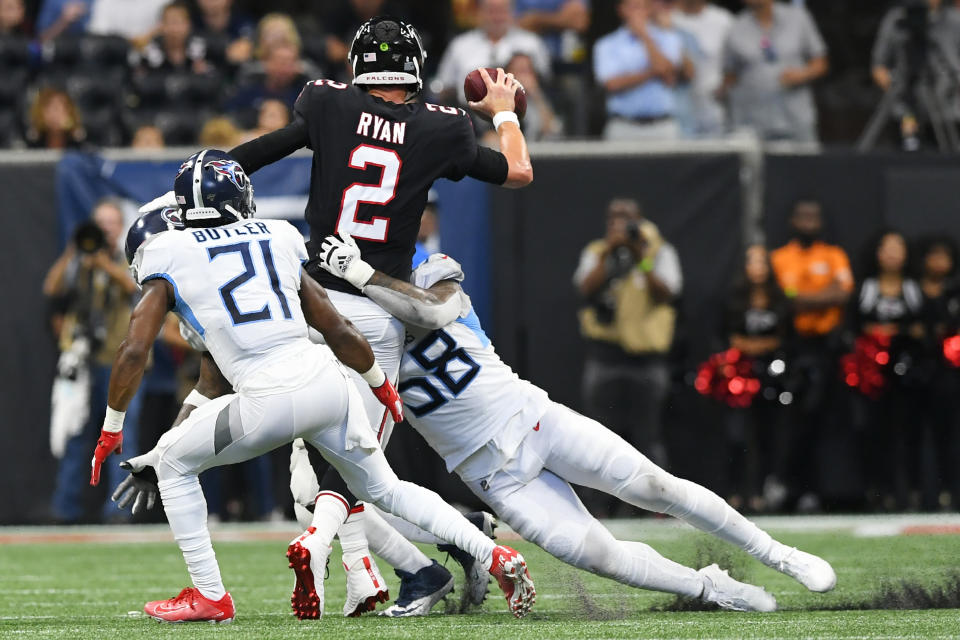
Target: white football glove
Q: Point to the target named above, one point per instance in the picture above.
(341, 257)
(169, 199)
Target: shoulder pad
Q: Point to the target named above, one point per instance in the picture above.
(436, 268)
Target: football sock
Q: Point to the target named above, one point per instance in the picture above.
(386, 542)
(632, 563)
(186, 511)
(353, 540)
(329, 514)
(699, 507)
(427, 510)
(411, 532)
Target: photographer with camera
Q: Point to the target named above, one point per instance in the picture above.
(91, 294)
(629, 282)
(916, 62)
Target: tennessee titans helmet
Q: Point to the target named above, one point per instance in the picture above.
(147, 226)
(212, 190)
(386, 50)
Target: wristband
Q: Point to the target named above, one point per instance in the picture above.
(358, 273)
(113, 420)
(646, 265)
(375, 377)
(505, 116)
(196, 399)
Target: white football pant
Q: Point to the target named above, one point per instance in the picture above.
(532, 494)
(237, 427)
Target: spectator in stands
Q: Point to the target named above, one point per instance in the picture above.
(937, 413)
(560, 23)
(272, 115)
(54, 121)
(135, 20)
(707, 25)
(628, 283)
(282, 80)
(638, 65)
(92, 289)
(273, 29)
(889, 305)
(757, 323)
(220, 133)
(491, 44)
(816, 277)
(175, 48)
(147, 137)
(773, 54)
(889, 57)
(540, 121)
(218, 19)
(13, 19)
(62, 16)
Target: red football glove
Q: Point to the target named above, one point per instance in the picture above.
(388, 397)
(108, 443)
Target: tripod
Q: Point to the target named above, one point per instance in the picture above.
(916, 88)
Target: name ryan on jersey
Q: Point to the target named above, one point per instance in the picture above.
(383, 130)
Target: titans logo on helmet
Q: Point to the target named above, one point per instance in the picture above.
(183, 167)
(171, 215)
(231, 170)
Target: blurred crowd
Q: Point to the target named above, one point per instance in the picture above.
(214, 72)
(809, 359)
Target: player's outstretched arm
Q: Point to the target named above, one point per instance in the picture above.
(431, 308)
(128, 365)
(499, 106)
(270, 147)
(347, 343)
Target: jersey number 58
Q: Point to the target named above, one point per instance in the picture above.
(376, 230)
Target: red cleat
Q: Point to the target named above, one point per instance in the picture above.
(308, 565)
(510, 570)
(191, 606)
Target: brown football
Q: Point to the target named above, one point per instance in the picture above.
(475, 89)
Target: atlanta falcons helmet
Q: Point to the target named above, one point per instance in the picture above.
(212, 190)
(387, 51)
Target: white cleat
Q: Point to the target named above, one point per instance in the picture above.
(722, 590)
(365, 586)
(811, 571)
(308, 558)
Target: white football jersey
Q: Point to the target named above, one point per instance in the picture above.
(457, 392)
(238, 287)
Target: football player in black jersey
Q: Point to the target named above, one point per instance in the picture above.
(377, 149)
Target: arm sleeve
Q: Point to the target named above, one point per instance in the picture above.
(463, 146)
(278, 144)
(271, 147)
(842, 271)
(489, 166)
(666, 266)
(604, 65)
(813, 43)
(882, 55)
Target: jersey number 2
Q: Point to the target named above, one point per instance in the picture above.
(382, 193)
(249, 273)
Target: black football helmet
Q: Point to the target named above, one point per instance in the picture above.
(387, 50)
(213, 190)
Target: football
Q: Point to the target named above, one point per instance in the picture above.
(475, 89)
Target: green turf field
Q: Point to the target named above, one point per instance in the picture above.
(96, 590)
